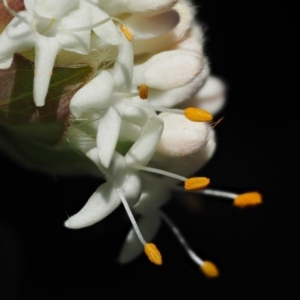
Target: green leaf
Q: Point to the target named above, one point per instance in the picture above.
(60, 159)
(34, 135)
(16, 94)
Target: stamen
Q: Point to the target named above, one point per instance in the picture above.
(125, 204)
(150, 249)
(143, 91)
(190, 184)
(131, 217)
(126, 32)
(197, 114)
(242, 200)
(248, 199)
(161, 172)
(153, 253)
(192, 113)
(217, 122)
(208, 268)
(196, 183)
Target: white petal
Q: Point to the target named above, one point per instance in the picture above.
(5, 62)
(186, 165)
(181, 137)
(18, 36)
(54, 9)
(108, 30)
(80, 140)
(178, 96)
(21, 26)
(136, 111)
(46, 50)
(169, 40)
(29, 4)
(133, 114)
(100, 205)
(143, 149)
(107, 135)
(143, 27)
(211, 96)
(123, 67)
(192, 44)
(129, 131)
(132, 247)
(120, 6)
(169, 69)
(95, 95)
(155, 194)
(187, 14)
(129, 182)
(106, 199)
(69, 38)
(116, 165)
(154, 45)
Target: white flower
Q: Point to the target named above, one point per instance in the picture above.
(148, 58)
(44, 25)
(184, 147)
(50, 26)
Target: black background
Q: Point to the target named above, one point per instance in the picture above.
(252, 46)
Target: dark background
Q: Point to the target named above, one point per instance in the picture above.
(252, 46)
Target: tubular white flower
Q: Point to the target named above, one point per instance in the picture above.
(180, 95)
(181, 137)
(106, 198)
(150, 26)
(211, 97)
(50, 27)
(152, 198)
(149, 226)
(148, 58)
(47, 31)
(119, 114)
(168, 70)
(94, 96)
(186, 14)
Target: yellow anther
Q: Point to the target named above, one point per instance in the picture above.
(209, 269)
(196, 183)
(153, 253)
(126, 32)
(143, 91)
(248, 199)
(197, 115)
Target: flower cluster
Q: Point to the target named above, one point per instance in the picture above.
(145, 118)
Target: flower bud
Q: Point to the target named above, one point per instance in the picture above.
(185, 146)
(181, 137)
(211, 96)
